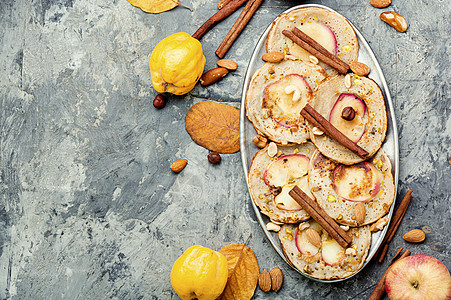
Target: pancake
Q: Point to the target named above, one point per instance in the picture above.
(370, 183)
(317, 23)
(329, 260)
(270, 180)
(370, 122)
(276, 95)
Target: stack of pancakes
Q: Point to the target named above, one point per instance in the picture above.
(336, 178)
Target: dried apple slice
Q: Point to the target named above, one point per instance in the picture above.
(355, 128)
(285, 98)
(285, 169)
(332, 252)
(357, 183)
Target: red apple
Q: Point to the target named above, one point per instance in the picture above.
(357, 183)
(286, 98)
(418, 277)
(354, 128)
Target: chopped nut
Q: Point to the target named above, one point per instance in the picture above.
(331, 198)
(344, 227)
(272, 227)
(379, 225)
(313, 59)
(316, 131)
(351, 251)
(308, 270)
(304, 225)
(272, 149)
(292, 89)
(348, 82)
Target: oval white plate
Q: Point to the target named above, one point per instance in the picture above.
(390, 145)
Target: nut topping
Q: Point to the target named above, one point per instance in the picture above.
(272, 149)
(276, 279)
(313, 237)
(213, 75)
(272, 227)
(348, 113)
(273, 57)
(228, 64)
(395, 20)
(359, 68)
(260, 141)
(178, 165)
(360, 213)
(264, 281)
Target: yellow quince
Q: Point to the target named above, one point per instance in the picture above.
(176, 64)
(200, 273)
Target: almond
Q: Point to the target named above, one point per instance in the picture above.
(395, 20)
(260, 141)
(359, 68)
(273, 57)
(264, 281)
(213, 75)
(313, 237)
(178, 165)
(276, 279)
(228, 64)
(272, 149)
(414, 236)
(380, 3)
(359, 213)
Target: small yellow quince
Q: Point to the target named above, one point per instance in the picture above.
(176, 64)
(200, 273)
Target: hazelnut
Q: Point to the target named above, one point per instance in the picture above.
(348, 113)
(159, 101)
(214, 158)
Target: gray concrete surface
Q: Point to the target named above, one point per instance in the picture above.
(88, 206)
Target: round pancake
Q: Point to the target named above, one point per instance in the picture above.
(261, 116)
(263, 195)
(375, 119)
(347, 44)
(314, 265)
(321, 182)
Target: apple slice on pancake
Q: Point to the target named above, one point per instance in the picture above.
(357, 111)
(277, 93)
(353, 127)
(339, 188)
(271, 178)
(329, 29)
(285, 99)
(329, 260)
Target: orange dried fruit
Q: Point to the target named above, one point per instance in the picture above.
(214, 126)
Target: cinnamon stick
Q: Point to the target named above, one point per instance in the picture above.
(223, 13)
(303, 36)
(325, 56)
(320, 216)
(223, 3)
(244, 18)
(396, 221)
(379, 290)
(319, 121)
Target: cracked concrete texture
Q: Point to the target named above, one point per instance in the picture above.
(88, 206)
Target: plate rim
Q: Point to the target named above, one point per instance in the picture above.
(244, 156)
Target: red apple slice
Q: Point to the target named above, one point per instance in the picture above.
(332, 252)
(354, 128)
(357, 183)
(303, 244)
(418, 277)
(286, 98)
(285, 201)
(286, 169)
(319, 32)
(322, 34)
